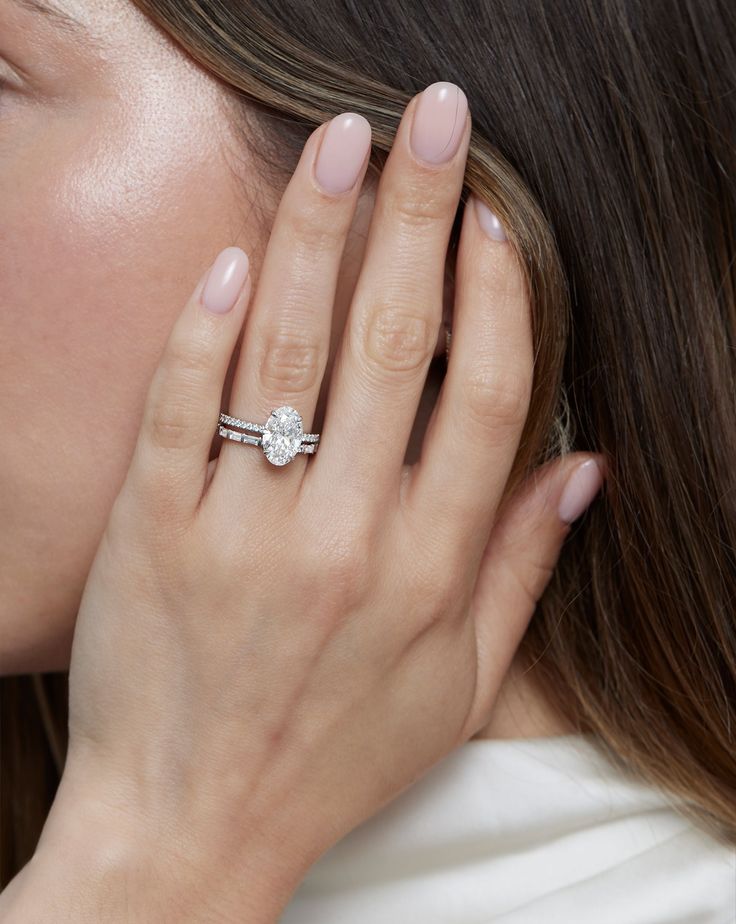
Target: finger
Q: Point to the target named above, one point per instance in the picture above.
(471, 441)
(169, 463)
(286, 343)
(518, 562)
(396, 312)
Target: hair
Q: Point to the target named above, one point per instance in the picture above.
(603, 137)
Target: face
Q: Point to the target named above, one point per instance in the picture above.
(118, 188)
(116, 193)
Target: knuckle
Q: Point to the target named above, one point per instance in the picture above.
(496, 399)
(434, 598)
(290, 362)
(150, 500)
(163, 509)
(169, 425)
(430, 572)
(340, 594)
(336, 569)
(428, 620)
(398, 339)
(425, 592)
(317, 227)
(190, 360)
(419, 204)
(344, 566)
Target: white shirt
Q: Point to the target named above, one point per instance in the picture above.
(522, 831)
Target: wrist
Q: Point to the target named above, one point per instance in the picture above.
(101, 859)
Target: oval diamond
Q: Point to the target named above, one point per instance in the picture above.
(283, 435)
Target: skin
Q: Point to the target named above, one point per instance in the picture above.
(115, 184)
(207, 743)
(118, 189)
(228, 726)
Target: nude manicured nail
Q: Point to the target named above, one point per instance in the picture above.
(225, 280)
(345, 144)
(580, 489)
(489, 221)
(439, 122)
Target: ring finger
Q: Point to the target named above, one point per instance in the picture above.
(286, 340)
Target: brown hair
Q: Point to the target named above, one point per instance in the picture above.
(603, 136)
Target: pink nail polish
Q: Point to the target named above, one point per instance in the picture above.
(344, 146)
(489, 221)
(439, 122)
(580, 489)
(225, 280)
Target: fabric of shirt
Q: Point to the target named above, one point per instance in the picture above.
(523, 831)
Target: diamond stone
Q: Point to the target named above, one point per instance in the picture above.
(282, 435)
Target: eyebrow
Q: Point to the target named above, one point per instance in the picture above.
(46, 8)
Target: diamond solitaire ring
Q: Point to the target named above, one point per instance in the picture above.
(281, 437)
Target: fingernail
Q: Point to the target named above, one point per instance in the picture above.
(439, 122)
(345, 144)
(582, 486)
(489, 221)
(225, 280)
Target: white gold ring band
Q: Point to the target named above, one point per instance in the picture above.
(281, 438)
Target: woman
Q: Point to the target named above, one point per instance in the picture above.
(264, 658)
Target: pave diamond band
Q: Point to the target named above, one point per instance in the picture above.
(259, 428)
(280, 438)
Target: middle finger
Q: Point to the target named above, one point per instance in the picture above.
(396, 311)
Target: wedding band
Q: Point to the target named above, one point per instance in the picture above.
(281, 437)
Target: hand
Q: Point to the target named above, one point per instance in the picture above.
(264, 657)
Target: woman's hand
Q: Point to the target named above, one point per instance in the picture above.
(265, 656)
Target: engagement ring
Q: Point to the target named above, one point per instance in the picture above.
(281, 437)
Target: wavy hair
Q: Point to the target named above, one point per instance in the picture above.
(604, 136)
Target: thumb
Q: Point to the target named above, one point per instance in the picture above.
(518, 563)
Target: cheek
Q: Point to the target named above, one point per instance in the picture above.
(106, 234)
(108, 220)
